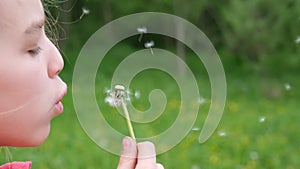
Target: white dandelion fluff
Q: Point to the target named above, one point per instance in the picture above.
(141, 30)
(149, 45)
(201, 100)
(297, 39)
(262, 119)
(137, 94)
(196, 129)
(85, 11)
(222, 133)
(118, 97)
(254, 155)
(287, 86)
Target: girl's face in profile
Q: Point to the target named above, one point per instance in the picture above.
(30, 88)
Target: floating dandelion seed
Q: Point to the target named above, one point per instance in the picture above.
(239, 166)
(118, 97)
(195, 167)
(149, 45)
(254, 155)
(141, 30)
(137, 94)
(298, 39)
(85, 11)
(287, 86)
(222, 133)
(196, 129)
(107, 91)
(201, 100)
(262, 119)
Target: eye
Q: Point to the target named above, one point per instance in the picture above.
(35, 51)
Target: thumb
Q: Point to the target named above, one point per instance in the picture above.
(146, 156)
(128, 154)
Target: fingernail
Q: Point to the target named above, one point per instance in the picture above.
(146, 150)
(127, 143)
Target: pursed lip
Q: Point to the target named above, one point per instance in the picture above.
(58, 105)
(62, 96)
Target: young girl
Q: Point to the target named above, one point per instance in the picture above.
(31, 90)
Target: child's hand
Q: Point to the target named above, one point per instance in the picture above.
(138, 156)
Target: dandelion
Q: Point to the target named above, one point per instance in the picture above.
(141, 30)
(85, 11)
(298, 39)
(149, 45)
(118, 97)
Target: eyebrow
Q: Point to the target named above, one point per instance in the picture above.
(35, 26)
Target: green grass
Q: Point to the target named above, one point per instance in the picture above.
(248, 144)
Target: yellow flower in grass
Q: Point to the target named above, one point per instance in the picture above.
(233, 106)
(213, 159)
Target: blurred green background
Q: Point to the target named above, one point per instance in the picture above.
(258, 42)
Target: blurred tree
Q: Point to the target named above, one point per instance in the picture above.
(256, 28)
(246, 29)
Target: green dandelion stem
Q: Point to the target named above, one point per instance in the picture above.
(127, 119)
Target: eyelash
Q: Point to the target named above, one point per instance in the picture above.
(35, 51)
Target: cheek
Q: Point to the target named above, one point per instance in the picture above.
(30, 127)
(26, 98)
(26, 102)
(22, 81)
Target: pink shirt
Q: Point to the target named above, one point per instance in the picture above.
(16, 165)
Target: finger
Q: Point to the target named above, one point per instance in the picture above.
(146, 156)
(128, 155)
(159, 166)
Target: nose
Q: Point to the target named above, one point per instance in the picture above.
(55, 61)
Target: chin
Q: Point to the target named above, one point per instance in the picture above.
(37, 138)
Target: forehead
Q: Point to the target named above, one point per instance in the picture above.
(19, 13)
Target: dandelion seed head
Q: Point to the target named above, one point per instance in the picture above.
(112, 101)
(149, 44)
(127, 99)
(114, 97)
(119, 91)
(142, 29)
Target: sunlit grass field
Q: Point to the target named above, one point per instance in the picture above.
(259, 128)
